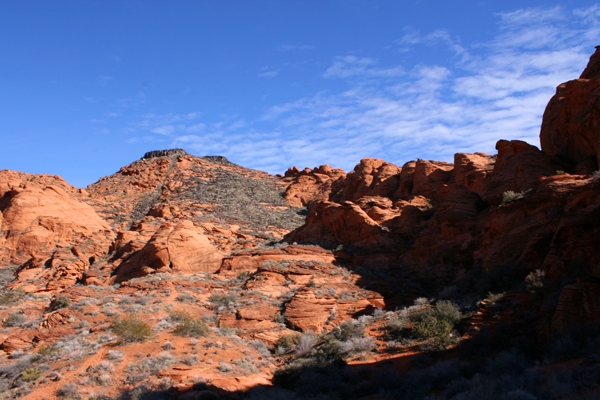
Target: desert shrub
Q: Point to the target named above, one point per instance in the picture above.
(101, 373)
(31, 374)
(114, 355)
(10, 296)
(435, 322)
(47, 353)
(131, 329)
(279, 318)
(328, 350)
(187, 325)
(186, 298)
(431, 327)
(286, 342)
(14, 319)
(348, 329)
(357, 345)
(396, 326)
(261, 347)
(218, 300)
(59, 302)
(191, 360)
(509, 195)
(151, 365)
(447, 311)
(10, 372)
(68, 391)
(535, 280)
(305, 344)
(224, 367)
(421, 301)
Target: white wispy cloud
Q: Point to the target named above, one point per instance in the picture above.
(268, 74)
(352, 66)
(291, 47)
(489, 91)
(164, 129)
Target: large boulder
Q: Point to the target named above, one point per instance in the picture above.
(36, 219)
(175, 247)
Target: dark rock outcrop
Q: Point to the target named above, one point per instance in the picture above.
(164, 153)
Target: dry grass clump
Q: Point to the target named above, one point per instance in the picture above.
(14, 319)
(31, 374)
(187, 325)
(131, 329)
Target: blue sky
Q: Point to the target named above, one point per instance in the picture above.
(89, 86)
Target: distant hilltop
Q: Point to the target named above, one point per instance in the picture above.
(164, 153)
(181, 152)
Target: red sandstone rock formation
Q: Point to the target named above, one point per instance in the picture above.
(312, 185)
(48, 231)
(571, 119)
(176, 248)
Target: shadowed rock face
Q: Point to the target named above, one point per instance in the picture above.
(516, 208)
(571, 122)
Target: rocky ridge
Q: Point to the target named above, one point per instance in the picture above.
(246, 280)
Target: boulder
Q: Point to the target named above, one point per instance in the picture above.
(175, 247)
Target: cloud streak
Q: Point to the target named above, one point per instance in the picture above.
(489, 91)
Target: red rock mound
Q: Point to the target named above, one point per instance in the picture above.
(48, 230)
(175, 248)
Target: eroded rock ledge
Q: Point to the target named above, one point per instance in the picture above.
(164, 153)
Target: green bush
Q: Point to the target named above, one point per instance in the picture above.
(432, 327)
(131, 329)
(435, 322)
(31, 374)
(188, 326)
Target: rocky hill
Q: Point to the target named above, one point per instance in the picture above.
(193, 277)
